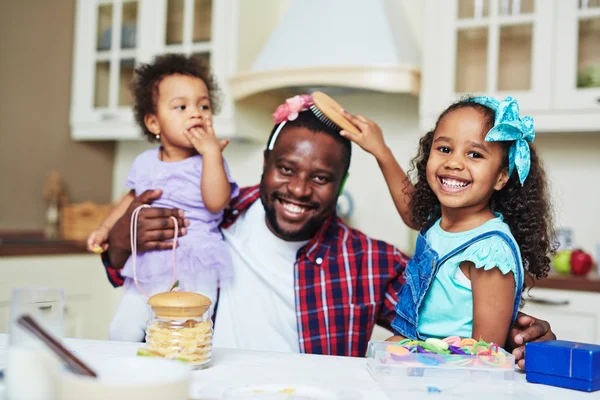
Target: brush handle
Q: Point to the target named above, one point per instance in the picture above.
(74, 363)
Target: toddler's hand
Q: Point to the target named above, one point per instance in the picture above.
(96, 242)
(370, 137)
(204, 139)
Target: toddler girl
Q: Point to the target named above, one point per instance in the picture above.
(481, 205)
(174, 103)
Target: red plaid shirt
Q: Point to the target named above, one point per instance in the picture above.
(345, 282)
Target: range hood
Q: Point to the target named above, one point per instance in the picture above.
(347, 44)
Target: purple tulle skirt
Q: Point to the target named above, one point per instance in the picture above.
(202, 261)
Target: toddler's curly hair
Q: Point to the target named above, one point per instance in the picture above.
(148, 76)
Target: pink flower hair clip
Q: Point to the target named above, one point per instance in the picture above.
(289, 110)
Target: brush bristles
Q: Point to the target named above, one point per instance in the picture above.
(323, 118)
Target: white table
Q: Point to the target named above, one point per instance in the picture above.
(345, 376)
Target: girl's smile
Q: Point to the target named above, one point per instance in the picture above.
(453, 184)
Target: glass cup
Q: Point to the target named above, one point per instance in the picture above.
(31, 367)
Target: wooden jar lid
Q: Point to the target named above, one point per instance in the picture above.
(177, 304)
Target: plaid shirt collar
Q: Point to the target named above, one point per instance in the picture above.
(248, 196)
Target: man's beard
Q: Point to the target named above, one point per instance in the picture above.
(306, 232)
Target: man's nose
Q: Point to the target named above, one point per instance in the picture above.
(300, 187)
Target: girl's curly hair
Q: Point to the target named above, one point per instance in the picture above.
(144, 86)
(526, 209)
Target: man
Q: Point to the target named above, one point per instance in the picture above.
(303, 280)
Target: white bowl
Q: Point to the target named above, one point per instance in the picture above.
(127, 378)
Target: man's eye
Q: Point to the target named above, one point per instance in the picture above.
(322, 179)
(444, 149)
(285, 170)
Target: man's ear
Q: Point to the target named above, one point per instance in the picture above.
(502, 179)
(151, 122)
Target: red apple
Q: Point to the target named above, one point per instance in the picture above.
(581, 262)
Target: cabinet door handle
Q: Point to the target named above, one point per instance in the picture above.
(45, 308)
(548, 302)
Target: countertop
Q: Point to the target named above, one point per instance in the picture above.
(340, 377)
(566, 282)
(33, 243)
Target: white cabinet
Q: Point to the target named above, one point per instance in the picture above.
(573, 315)
(113, 36)
(90, 301)
(529, 49)
(577, 55)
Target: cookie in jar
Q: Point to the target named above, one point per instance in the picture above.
(180, 329)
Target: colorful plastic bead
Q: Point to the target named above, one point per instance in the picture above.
(437, 343)
(397, 350)
(453, 341)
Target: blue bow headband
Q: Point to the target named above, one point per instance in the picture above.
(508, 126)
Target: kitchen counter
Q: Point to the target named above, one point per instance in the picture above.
(578, 283)
(34, 243)
(343, 377)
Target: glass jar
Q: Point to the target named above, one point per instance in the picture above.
(180, 328)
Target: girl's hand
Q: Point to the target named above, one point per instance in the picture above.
(204, 139)
(370, 137)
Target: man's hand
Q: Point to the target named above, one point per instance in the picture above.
(527, 329)
(154, 227)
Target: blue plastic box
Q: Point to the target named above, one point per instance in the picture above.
(564, 364)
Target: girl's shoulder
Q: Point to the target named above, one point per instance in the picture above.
(498, 248)
(493, 252)
(487, 246)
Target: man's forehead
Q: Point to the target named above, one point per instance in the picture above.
(302, 144)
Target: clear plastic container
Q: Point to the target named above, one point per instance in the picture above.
(181, 328)
(384, 365)
(454, 375)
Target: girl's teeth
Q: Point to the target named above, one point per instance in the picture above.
(293, 208)
(453, 183)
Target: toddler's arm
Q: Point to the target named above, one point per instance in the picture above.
(371, 140)
(97, 241)
(215, 187)
(493, 302)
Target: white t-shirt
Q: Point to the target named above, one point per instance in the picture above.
(257, 309)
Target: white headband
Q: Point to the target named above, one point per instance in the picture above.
(274, 137)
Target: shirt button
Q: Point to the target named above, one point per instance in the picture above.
(319, 260)
(235, 212)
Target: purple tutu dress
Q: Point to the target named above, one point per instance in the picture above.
(202, 257)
